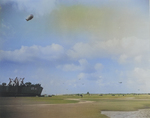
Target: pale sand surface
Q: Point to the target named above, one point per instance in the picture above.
(80, 101)
(141, 113)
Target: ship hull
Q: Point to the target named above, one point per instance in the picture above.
(13, 91)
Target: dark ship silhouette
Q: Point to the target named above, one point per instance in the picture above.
(17, 87)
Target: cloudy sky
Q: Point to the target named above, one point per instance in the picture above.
(76, 46)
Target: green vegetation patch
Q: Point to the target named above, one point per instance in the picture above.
(49, 100)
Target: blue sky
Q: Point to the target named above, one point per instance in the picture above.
(76, 46)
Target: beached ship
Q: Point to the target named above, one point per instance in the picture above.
(17, 87)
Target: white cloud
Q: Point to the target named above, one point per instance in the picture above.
(86, 71)
(98, 66)
(33, 53)
(138, 58)
(81, 76)
(139, 78)
(124, 50)
(83, 65)
(72, 67)
(90, 76)
(111, 21)
(122, 58)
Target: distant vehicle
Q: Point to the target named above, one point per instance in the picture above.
(29, 17)
(17, 87)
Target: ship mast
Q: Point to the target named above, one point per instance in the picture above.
(10, 81)
(21, 83)
(16, 82)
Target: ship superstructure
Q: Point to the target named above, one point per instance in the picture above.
(17, 87)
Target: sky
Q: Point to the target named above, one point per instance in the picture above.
(76, 46)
